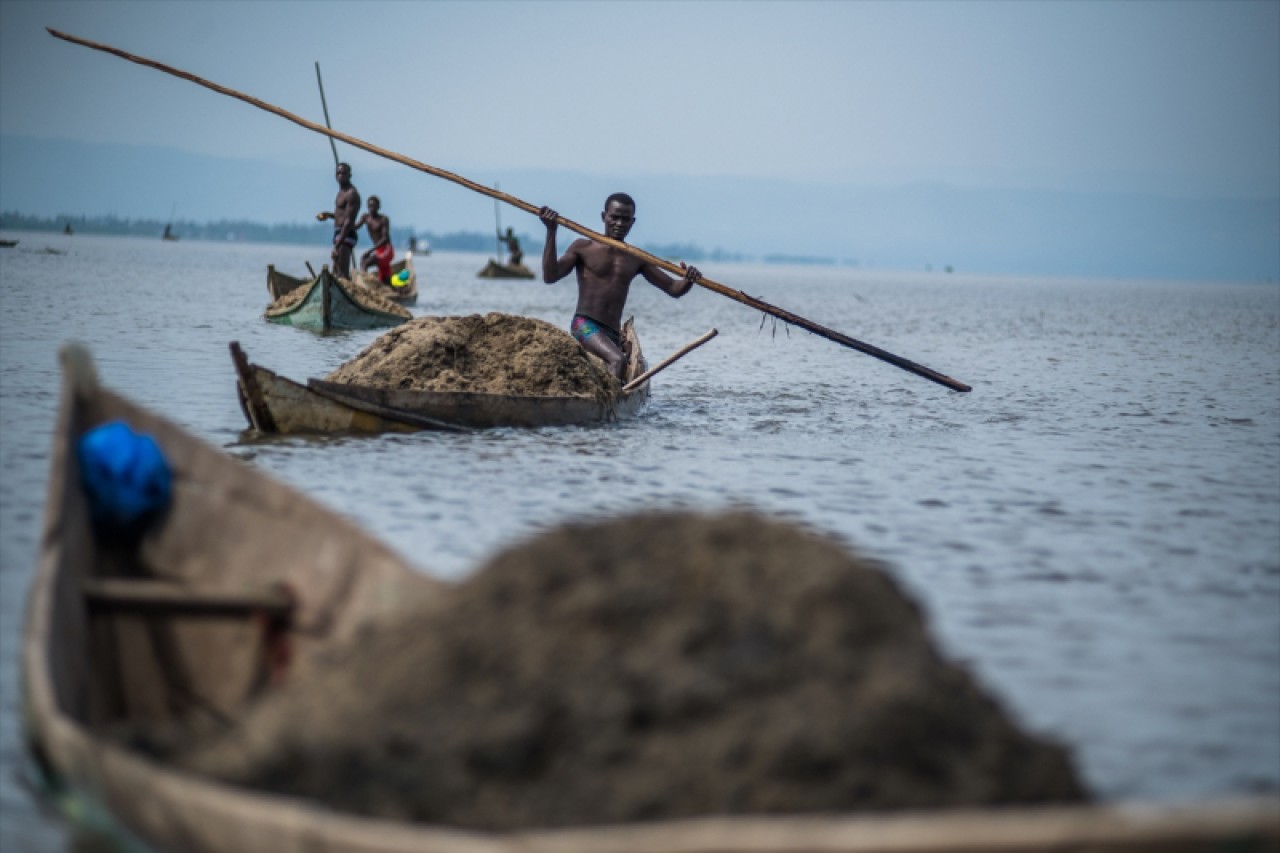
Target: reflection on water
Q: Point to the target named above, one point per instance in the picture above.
(1095, 528)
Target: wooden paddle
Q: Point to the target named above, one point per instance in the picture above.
(669, 360)
(723, 290)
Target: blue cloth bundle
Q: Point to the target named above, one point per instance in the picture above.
(124, 475)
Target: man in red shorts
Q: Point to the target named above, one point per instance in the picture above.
(379, 228)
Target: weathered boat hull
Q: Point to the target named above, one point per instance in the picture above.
(330, 305)
(232, 537)
(496, 270)
(280, 405)
(91, 669)
(275, 405)
(483, 411)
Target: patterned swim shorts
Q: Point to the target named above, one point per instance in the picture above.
(584, 327)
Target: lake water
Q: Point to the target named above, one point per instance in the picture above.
(1095, 529)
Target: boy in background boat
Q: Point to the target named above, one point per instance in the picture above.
(379, 228)
(604, 279)
(346, 207)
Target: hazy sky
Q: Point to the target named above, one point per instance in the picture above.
(1170, 97)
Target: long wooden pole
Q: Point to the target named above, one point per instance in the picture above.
(723, 290)
(324, 104)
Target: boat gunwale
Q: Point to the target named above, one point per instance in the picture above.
(487, 396)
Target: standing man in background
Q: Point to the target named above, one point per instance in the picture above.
(514, 252)
(346, 208)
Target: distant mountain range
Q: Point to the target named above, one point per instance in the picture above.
(1028, 232)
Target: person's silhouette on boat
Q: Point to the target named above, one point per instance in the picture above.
(514, 252)
(379, 228)
(346, 207)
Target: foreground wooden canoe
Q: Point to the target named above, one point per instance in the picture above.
(245, 583)
(274, 404)
(493, 269)
(331, 304)
(406, 294)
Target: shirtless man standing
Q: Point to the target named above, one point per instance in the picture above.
(604, 279)
(346, 207)
(379, 228)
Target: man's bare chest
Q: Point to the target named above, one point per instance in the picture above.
(610, 265)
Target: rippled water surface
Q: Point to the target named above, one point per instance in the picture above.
(1095, 528)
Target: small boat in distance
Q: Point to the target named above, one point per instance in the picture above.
(513, 268)
(8, 244)
(496, 270)
(330, 304)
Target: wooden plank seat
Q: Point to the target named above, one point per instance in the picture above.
(145, 596)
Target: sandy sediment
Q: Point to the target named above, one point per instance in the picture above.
(492, 353)
(660, 665)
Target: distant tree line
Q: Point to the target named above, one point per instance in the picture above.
(308, 234)
(690, 252)
(803, 260)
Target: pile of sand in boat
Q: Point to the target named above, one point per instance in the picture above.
(494, 353)
(661, 665)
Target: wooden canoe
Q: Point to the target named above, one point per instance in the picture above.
(405, 294)
(493, 269)
(331, 304)
(244, 584)
(274, 404)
